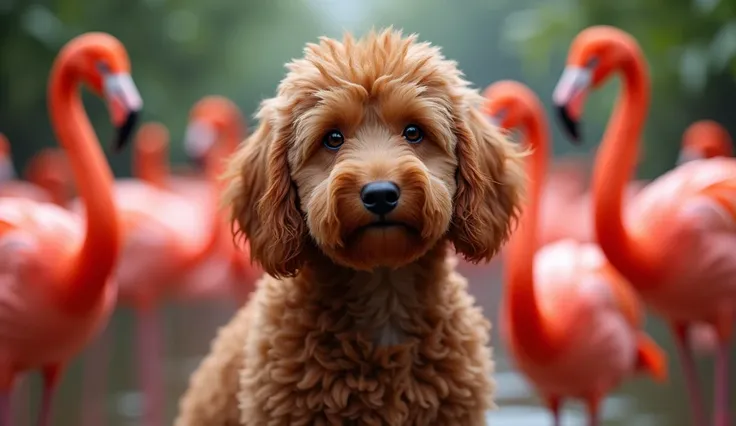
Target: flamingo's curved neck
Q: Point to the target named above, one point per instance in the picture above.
(85, 278)
(233, 134)
(214, 166)
(152, 166)
(614, 166)
(531, 333)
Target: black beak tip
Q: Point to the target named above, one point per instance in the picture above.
(197, 161)
(570, 126)
(125, 132)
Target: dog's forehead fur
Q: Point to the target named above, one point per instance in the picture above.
(369, 66)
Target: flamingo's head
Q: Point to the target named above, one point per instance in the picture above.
(7, 171)
(151, 152)
(50, 169)
(593, 57)
(211, 120)
(705, 139)
(103, 63)
(152, 139)
(510, 104)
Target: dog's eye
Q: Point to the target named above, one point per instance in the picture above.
(413, 134)
(333, 139)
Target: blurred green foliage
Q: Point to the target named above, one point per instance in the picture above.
(690, 46)
(182, 50)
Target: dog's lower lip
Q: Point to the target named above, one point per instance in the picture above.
(382, 224)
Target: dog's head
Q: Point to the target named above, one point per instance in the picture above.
(374, 151)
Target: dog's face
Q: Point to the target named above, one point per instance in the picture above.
(375, 151)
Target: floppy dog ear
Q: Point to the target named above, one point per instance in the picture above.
(489, 188)
(263, 200)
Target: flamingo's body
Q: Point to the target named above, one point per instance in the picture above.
(23, 189)
(160, 241)
(572, 323)
(697, 242)
(55, 286)
(676, 240)
(31, 233)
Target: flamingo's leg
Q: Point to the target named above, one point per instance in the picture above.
(150, 365)
(51, 376)
(692, 383)
(554, 405)
(594, 412)
(724, 326)
(7, 384)
(5, 408)
(94, 383)
(20, 402)
(721, 414)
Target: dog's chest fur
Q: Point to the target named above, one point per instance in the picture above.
(403, 347)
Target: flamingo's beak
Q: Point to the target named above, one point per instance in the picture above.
(199, 140)
(569, 98)
(686, 156)
(7, 171)
(497, 118)
(125, 104)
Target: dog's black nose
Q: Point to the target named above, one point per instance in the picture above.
(380, 197)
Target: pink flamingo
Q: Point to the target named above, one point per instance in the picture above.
(572, 324)
(55, 269)
(677, 245)
(216, 127)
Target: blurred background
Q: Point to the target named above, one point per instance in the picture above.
(182, 50)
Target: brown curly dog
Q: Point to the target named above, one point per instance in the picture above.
(371, 160)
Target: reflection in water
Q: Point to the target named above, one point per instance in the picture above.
(189, 329)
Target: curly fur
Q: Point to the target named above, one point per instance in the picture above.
(353, 323)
